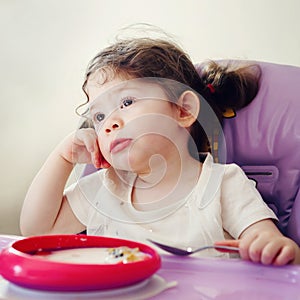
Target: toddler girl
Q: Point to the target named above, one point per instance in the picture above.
(150, 118)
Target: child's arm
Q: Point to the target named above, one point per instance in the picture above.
(263, 242)
(45, 209)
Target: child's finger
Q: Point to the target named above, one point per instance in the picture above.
(85, 137)
(105, 164)
(285, 256)
(98, 158)
(90, 141)
(269, 253)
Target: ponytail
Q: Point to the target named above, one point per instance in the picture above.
(228, 86)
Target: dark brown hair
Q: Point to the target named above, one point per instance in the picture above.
(223, 86)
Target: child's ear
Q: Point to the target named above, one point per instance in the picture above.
(188, 106)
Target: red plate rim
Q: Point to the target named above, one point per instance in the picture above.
(19, 266)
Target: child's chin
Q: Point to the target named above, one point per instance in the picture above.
(121, 165)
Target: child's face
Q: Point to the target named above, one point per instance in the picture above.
(135, 122)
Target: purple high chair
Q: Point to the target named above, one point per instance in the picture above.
(264, 139)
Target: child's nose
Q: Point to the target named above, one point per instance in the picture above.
(114, 125)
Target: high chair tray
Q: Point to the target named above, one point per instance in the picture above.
(224, 279)
(186, 278)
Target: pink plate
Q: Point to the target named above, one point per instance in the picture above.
(20, 267)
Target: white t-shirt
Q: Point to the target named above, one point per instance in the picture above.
(223, 204)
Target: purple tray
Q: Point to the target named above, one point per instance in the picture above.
(228, 279)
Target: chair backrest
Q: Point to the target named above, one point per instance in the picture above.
(264, 139)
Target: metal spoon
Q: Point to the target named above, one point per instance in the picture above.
(189, 251)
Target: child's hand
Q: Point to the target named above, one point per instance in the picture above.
(269, 249)
(262, 242)
(82, 147)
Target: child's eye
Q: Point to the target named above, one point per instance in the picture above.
(127, 101)
(98, 117)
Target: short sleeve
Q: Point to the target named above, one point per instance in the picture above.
(241, 203)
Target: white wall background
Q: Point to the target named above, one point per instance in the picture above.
(46, 45)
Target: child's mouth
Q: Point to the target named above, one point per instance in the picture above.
(119, 144)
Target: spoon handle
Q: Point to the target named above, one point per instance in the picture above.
(228, 249)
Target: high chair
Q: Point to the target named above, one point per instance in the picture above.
(264, 139)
